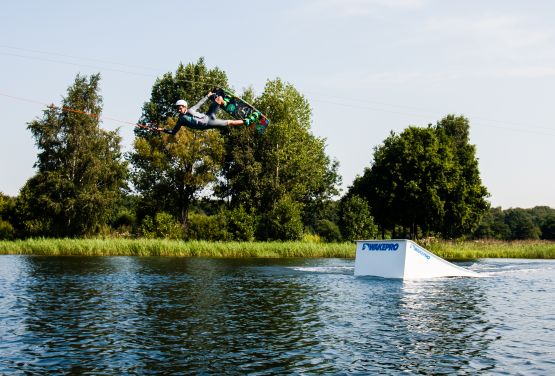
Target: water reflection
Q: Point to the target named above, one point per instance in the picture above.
(125, 315)
(447, 325)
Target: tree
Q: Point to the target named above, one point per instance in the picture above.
(548, 228)
(287, 160)
(465, 202)
(283, 221)
(493, 226)
(168, 171)
(521, 224)
(80, 172)
(544, 217)
(356, 222)
(425, 180)
(7, 205)
(403, 186)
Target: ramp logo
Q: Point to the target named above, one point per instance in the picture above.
(420, 251)
(392, 247)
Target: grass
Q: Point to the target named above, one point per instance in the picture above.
(470, 250)
(162, 247)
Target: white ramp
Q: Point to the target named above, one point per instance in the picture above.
(403, 259)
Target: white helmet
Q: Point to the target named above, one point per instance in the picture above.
(181, 102)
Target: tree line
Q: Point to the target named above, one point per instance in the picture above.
(240, 185)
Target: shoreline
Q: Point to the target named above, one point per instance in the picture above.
(453, 251)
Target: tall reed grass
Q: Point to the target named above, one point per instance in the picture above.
(162, 247)
(469, 250)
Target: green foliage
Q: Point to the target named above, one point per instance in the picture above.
(79, 169)
(544, 218)
(548, 228)
(356, 222)
(287, 159)
(328, 230)
(124, 221)
(7, 205)
(6, 230)
(163, 225)
(227, 225)
(207, 227)
(517, 224)
(317, 211)
(521, 224)
(493, 226)
(7, 215)
(168, 171)
(283, 221)
(240, 225)
(465, 200)
(426, 181)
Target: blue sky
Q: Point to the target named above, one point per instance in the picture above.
(367, 67)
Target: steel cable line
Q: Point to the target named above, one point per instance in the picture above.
(208, 82)
(73, 110)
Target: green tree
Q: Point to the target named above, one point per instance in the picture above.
(544, 217)
(403, 186)
(425, 180)
(464, 199)
(7, 205)
(169, 171)
(287, 160)
(356, 222)
(318, 213)
(283, 221)
(493, 226)
(328, 230)
(522, 225)
(80, 172)
(240, 225)
(548, 228)
(163, 225)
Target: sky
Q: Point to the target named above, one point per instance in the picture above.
(367, 68)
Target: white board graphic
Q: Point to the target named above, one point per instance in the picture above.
(401, 258)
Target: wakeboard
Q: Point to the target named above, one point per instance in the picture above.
(241, 110)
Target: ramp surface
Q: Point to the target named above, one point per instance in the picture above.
(402, 258)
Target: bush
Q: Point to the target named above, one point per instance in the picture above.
(6, 230)
(283, 222)
(328, 230)
(164, 225)
(355, 219)
(124, 218)
(240, 225)
(207, 227)
(521, 224)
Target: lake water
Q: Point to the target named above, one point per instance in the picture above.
(130, 315)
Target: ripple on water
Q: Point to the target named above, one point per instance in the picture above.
(119, 315)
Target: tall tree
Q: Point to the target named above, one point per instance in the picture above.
(425, 180)
(7, 205)
(168, 171)
(465, 202)
(493, 226)
(403, 186)
(287, 162)
(80, 171)
(521, 223)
